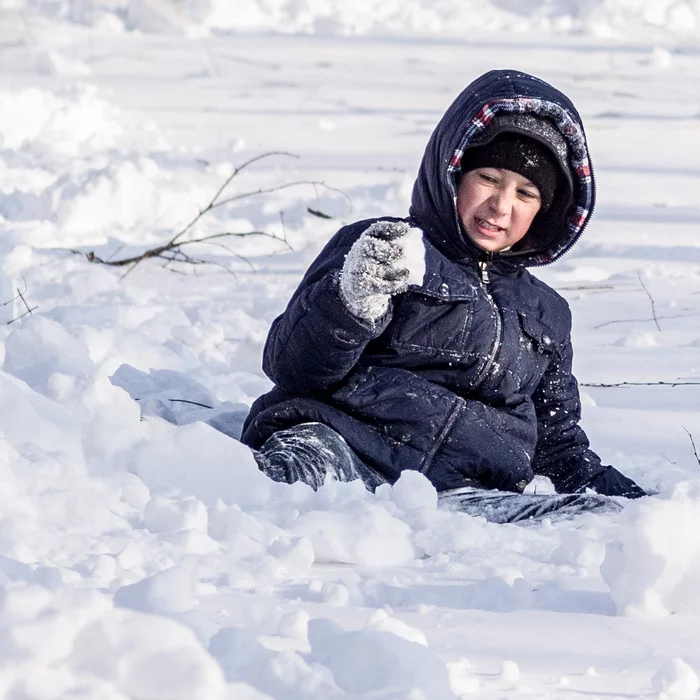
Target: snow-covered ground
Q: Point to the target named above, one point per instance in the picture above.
(148, 560)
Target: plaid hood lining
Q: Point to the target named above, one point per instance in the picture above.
(579, 161)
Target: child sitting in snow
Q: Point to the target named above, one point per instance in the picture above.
(455, 362)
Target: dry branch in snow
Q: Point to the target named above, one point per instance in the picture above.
(173, 250)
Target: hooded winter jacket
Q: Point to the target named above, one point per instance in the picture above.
(467, 378)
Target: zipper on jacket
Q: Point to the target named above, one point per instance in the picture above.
(454, 414)
(485, 281)
(483, 271)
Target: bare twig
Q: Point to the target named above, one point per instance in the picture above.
(28, 312)
(651, 300)
(643, 320)
(692, 442)
(24, 301)
(319, 214)
(18, 296)
(171, 251)
(194, 403)
(616, 384)
(215, 199)
(593, 288)
(268, 190)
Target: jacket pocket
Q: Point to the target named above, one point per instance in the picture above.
(539, 335)
(424, 323)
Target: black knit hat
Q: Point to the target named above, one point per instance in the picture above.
(521, 154)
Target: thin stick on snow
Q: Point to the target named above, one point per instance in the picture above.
(29, 310)
(642, 320)
(651, 299)
(214, 203)
(171, 251)
(193, 403)
(19, 295)
(692, 442)
(26, 306)
(616, 384)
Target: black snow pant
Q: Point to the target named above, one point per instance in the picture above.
(311, 451)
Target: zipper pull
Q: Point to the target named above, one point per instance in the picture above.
(483, 264)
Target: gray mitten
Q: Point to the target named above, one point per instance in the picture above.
(375, 269)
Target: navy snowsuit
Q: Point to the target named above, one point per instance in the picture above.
(467, 378)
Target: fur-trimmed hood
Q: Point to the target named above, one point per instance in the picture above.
(512, 99)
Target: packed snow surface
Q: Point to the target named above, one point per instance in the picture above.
(606, 18)
(142, 554)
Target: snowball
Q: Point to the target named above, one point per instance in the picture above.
(412, 490)
(676, 679)
(414, 254)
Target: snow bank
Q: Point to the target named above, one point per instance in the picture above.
(75, 643)
(168, 517)
(448, 17)
(142, 553)
(66, 122)
(653, 565)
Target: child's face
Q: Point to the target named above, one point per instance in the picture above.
(496, 207)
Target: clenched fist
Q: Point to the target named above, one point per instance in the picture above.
(376, 268)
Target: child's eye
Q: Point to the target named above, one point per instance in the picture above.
(528, 194)
(487, 178)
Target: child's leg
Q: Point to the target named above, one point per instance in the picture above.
(310, 451)
(506, 507)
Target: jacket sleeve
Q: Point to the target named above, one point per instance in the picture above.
(562, 451)
(316, 342)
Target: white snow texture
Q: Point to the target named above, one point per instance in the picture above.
(142, 553)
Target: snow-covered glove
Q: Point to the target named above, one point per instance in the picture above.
(377, 268)
(612, 483)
